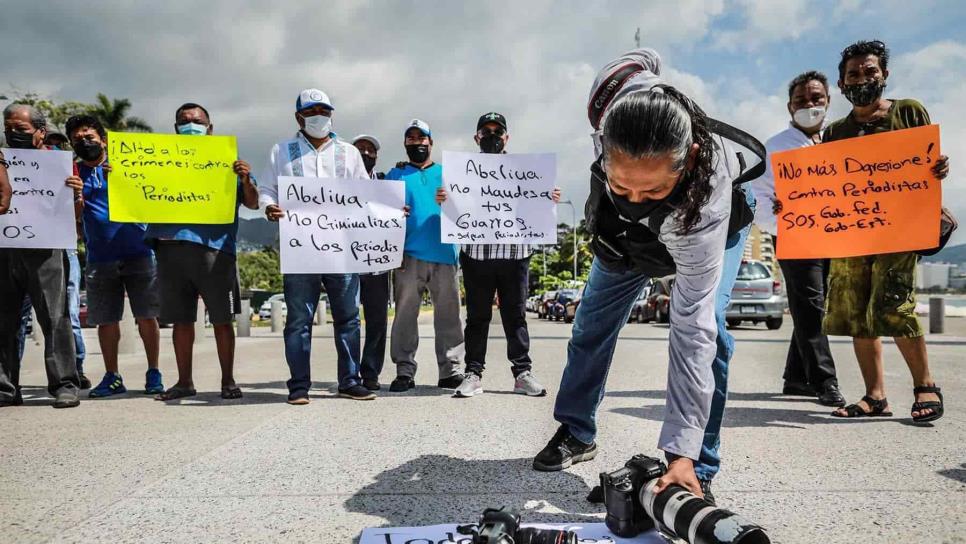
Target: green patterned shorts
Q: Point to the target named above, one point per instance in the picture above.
(872, 296)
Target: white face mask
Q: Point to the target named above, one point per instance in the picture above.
(809, 117)
(318, 126)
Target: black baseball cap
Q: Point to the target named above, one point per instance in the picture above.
(492, 117)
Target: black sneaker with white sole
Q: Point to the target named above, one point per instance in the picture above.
(562, 451)
(357, 392)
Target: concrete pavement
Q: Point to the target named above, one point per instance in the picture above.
(131, 469)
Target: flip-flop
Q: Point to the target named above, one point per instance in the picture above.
(176, 392)
(231, 392)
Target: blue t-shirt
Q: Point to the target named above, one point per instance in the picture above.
(423, 223)
(106, 240)
(219, 237)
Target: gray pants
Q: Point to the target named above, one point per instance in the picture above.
(410, 281)
(42, 274)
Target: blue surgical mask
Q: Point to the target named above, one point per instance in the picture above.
(192, 129)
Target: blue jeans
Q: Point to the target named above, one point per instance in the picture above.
(603, 311)
(302, 293)
(73, 307)
(710, 461)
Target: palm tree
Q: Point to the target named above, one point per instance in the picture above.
(113, 115)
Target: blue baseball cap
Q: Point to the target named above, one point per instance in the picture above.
(312, 97)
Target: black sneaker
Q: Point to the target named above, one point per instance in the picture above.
(357, 392)
(85, 382)
(562, 451)
(450, 383)
(66, 398)
(371, 385)
(706, 489)
(798, 389)
(831, 396)
(402, 383)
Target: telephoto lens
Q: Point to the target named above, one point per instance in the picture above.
(530, 535)
(682, 515)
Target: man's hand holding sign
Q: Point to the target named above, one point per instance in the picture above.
(863, 196)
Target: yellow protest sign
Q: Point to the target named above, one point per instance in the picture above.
(167, 178)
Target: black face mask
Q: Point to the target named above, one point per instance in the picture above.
(369, 162)
(88, 150)
(635, 211)
(491, 143)
(864, 94)
(19, 140)
(417, 153)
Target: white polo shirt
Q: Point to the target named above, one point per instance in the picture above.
(764, 187)
(298, 157)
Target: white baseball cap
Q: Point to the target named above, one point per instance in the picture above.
(312, 97)
(368, 138)
(423, 126)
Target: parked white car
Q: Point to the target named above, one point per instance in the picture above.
(265, 312)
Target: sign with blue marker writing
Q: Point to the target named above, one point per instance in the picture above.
(169, 178)
(41, 214)
(499, 198)
(339, 226)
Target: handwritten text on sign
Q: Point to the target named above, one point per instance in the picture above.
(499, 199)
(166, 178)
(338, 226)
(41, 211)
(862, 196)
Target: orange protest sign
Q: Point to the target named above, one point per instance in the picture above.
(862, 196)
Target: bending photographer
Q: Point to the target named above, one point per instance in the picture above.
(661, 202)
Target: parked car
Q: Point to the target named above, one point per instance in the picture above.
(637, 310)
(543, 304)
(657, 305)
(265, 312)
(570, 309)
(82, 314)
(532, 303)
(756, 297)
(557, 309)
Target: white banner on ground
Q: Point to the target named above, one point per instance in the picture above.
(588, 533)
(42, 207)
(499, 199)
(338, 226)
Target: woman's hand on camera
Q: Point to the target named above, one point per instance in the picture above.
(680, 471)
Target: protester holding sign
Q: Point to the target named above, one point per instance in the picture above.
(663, 200)
(809, 367)
(39, 273)
(118, 263)
(501, 270)
(314, 152)
(199, 260)
(874, 296)
(428, 264)
(373, 288)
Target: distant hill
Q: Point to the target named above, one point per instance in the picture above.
(256, 233)
(950, 254)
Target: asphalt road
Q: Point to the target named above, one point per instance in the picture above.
(131, 469)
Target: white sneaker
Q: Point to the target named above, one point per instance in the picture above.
(472, 385)
(527, 385)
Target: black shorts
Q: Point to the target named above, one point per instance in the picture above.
(187, 270)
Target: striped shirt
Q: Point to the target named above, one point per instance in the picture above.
(486, 252)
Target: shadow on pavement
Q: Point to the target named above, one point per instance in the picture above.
(958, 474)
(740, 416)
(752, 397)
(436, 489)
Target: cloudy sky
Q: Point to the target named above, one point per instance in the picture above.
(447, 62)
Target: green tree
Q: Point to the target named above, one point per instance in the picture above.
(56, 114)
(260, 270)
(113, 115)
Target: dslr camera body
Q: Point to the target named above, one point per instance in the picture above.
(633, 507)
(502, 526)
